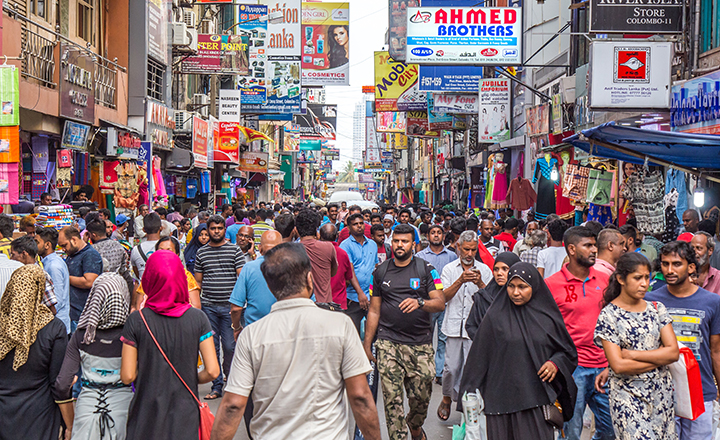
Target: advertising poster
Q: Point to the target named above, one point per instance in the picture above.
(253, 162)
(417, 125)
(656, 17)
(397, 141)
(291, 139)
(396, 85)
(557, 114)
(200, 139)
(463, 79)
(372, 159)
(464, 35)
(391, 122)
(331, 153)
(695, 106)
(228, 143)
(538, 120)
(397, 30)
(494, 120)
(325, 43)
(438, 121)
(318, 123)
(252, 24)
(453, 103)
(625, 74)
(158, 17)
(219, 54)
(75, 136)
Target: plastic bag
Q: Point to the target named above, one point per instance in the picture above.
(458, 432)
(715, 421)
(474, 415)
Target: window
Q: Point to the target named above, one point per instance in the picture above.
(39, 8)
(709, 27)
(155, 75)
(86, 19)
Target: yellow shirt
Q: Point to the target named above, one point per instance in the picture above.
(192, 284)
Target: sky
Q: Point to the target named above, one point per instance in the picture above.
(368, 23)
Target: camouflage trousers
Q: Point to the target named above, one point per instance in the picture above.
(414, 367)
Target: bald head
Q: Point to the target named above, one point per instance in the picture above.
(269, 240)
(246, 230)
(328, 232)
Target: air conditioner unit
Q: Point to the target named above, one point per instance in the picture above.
(207, 27)
(183, 121)
(189, 18)
(201, 104)
(192, 36)
(179, 34)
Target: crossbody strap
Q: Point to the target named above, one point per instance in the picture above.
(166, 358)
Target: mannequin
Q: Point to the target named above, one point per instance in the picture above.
(500, 183)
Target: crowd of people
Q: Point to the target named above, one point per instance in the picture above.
(295, 312)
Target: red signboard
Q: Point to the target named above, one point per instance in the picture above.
(201, 134)
(228, 144)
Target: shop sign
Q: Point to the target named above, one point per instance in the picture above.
(396, 85)
(158, 17)
(315, 95)
(200, 139)
(630, 74)
(368, 89)
(228, 144)
(538, 120)
(418, 125)
(494, 114)
(450, 78)
(437, 121)
(219, 54)
(253, 162)
(229, 105)
(391, 122)
(326, 44)
(397, 28)
(318, 123)
(457, 35)
(291, 139)
(397, 141)
(75, 136)
(123, 144)
(145, 154)
(456, 103)
(331, 153)
(77, 96)
(632, 16)
(159, 125)
(252, 22)
(695, 106)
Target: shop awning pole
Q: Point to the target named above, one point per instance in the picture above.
(629, 152)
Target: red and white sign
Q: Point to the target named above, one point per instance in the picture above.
(227, 148)
(200, 137)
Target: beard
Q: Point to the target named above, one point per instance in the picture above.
(403, 257)
(214, 240)
(468, 262)
(436, 243)
(702, 261)
(246, 246)
(586, 262)
(387, 230)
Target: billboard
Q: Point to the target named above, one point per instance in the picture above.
(318, 123)
(438, 121)
(418, 125)
(464, 35)
(253, 162)
(494, 120)
(252, 24)
(326, 44)
(656, 17)
(396, 85)
(695, 107)
(397, 29)
(200, 139)
(229, 105)
(228, 143)
(456, 104)
(158, 18)
(219, 54)
(538, 120)
(391, 122)
(462, 79)
(630, 74)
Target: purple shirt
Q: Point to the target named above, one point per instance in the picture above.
(712, 282)
(230, 221)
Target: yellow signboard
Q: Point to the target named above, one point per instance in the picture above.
(396, 85)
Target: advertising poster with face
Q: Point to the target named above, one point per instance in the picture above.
(325, 44)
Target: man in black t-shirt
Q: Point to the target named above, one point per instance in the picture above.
(404, 293)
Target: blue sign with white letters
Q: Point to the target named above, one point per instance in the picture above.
(450, 78)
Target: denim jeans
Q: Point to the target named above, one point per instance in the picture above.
(219, 317)
(600, 406)
(440, 351)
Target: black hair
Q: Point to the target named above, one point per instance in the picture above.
(708, 226)
(48, 234)
(458, 225)
(511, 223)
(405, 211)
(605, 236)
(43, 195)
(284, 224)
(217, 219)
(626, 264)
(223, 208)
(694, 213)
(682, 249)
(472, 223)
(83, 211)
(277, 207)
(285, 269)
(328, 232)
(500, 222)
(171, 239)
(152, 223)
(162, 212)
(557, 229)
(594, 226)
(97, 227)
(366, 211)
(374, 216)
(307, 222)
(629, 231)
(239, 213)
(377, 227)
(263, 214)
(6, 226)
(424, 229)
(333, 205)
(25, 244)
(575, 234)
(404, 229)
(185, 221)
(106, 213)
(352, 217)
(354, 208)
(436, 227)
(71, 233)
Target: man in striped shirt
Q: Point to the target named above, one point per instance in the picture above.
(260, 226)
(217, 266)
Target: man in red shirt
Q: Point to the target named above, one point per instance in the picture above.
(345, 272)
(509, 234)
(578, 290)
(378, 236)
(345, 232)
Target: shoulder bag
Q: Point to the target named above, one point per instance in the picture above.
(206, 417)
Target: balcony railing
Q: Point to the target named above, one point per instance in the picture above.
(105, 82)
(38, 57)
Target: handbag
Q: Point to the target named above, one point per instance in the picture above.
(689, 402)
(206, 416)
(553, 415)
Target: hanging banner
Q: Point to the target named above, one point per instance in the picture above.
(291, 138)
(397, 141)
(462, 79)
(318, 123)
(253, 162)
(252, 24)
(695, 106)
(417, 125)
(557, 114)
(229, 105)
(397, 29)
(219, 54)
(438, 121)
(456, 104)
(228, 144)
(391, 122)
(158, 21)
(538, 120)
(494, 120)
(308, 156)
(9, 95)
(200, 139)
(630, 74)
(326, 44)
(396, 85)
(629, 16)
(457, 35)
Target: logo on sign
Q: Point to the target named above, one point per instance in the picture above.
(415, 283)
(439, 53)
(489, 52)
(510, 53)
(421, 17)
(632, 65)
(422, 51)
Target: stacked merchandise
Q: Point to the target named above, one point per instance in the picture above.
(56, 217)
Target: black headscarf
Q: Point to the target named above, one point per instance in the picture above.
(192, 248)
(513, 342)
(483, 298)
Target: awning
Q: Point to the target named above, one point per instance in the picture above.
(683, 151)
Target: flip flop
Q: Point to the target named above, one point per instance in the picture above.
(213, 395)
(443, 411)
(423, 435)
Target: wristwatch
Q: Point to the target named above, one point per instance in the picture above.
(421, 303)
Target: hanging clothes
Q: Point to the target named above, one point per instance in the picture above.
(600, 184)
(521, 195)
(672, 224)
(191, 187)
(546, 187)
(500, 183)
(489, 182)
(645, 191)
(677, 180)
(575, 182)
(599, 213)
(9, 183)
(563, 205)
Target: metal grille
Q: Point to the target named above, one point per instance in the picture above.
(38, 57)
(155, 75)
(105, 83)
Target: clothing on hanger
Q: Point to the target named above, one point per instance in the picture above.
(645, 191)
(521, 195)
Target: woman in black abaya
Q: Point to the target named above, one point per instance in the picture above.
(522, 359)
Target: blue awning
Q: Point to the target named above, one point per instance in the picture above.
(700, 151)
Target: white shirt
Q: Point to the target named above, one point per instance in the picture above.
(295, 361)
(458, 308)
(137, 260)
(7, 267)
(551, 259)
(139, 224)
(167, 228)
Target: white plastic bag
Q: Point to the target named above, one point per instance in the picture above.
(716, 421)
(474, 415)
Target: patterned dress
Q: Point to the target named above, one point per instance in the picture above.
(641, 405)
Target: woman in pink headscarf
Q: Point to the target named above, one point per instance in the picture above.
(181, 331)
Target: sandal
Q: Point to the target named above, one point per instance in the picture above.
(213, 395)
(443, 411)
(423, 435)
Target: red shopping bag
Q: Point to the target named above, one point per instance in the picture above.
(685, 372)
